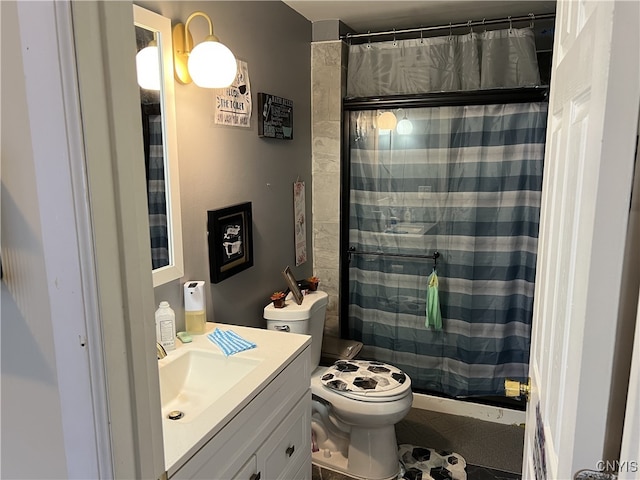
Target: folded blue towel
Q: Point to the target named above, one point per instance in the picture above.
(230, 342)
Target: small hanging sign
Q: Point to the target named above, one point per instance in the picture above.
(300, 228)
(233, 103)
(276, 120)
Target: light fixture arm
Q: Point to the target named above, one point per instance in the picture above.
(209, 37)
(154, 42)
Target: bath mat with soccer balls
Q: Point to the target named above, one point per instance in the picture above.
(420, 463)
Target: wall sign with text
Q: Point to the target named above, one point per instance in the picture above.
(233, 104)
(276, 119)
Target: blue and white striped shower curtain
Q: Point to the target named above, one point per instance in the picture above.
(466, 182)
(157, 195)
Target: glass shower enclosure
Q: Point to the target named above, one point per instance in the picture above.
(460, 175)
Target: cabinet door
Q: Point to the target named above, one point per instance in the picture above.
(289, 446)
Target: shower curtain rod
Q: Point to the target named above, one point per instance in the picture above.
(470, 23)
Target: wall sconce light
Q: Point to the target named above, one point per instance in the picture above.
(405, 127)
(148, 66)
(209, 64)
(387, 121)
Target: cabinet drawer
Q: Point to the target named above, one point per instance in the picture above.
(289, 444)
(248, 470)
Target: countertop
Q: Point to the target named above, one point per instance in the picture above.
(274, 351)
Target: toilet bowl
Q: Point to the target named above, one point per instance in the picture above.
(356, 403)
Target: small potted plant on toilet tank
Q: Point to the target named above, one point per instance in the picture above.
(278, 299)
(313, 283)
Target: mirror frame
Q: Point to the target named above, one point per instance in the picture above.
(157, 23)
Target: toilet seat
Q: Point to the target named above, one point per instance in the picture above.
(354, 380)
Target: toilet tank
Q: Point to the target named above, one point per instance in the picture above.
(307, 318)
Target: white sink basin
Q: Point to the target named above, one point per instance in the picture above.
(192, 381)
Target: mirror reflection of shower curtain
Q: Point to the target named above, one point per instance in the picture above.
(156, 185)
(465, 182)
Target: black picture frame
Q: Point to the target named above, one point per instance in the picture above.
(230, 238)
(275, 117)
(293, 285)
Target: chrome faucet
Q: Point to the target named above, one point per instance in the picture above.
(160, 351)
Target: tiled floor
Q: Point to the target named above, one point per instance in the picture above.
(492, 451)
(473, 473)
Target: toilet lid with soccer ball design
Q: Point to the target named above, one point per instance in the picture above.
(364, 377)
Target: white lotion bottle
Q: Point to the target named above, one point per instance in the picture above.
(166, 326)
(195, 315)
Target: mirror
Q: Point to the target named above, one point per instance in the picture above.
(157, 103)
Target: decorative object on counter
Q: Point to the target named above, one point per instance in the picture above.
(229, 231)
(230, 342)
(278, 299)
(299, 227)
(166, 326)
(276, 120)
(209, 64)
(195, 315)
(233, 104)
(293, 285)
(184, 337)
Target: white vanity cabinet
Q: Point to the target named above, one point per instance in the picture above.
(270, 438)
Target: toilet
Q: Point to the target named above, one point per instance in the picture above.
(355, 403)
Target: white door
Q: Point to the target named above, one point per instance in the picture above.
(629, 466)
(593, 114)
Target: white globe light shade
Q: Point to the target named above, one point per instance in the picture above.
(387, 121)
(212, 65)
(405, 127)
(148, 68)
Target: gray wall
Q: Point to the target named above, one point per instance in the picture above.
(221, 166)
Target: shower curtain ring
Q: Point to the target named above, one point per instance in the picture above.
(368, 38)
(421, 39)
(450, 32)
(470, 26)
(533, 17)
(510, 24)
(394, 37)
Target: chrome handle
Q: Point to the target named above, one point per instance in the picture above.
(289, 451)
(282, 328)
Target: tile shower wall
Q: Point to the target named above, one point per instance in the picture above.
(328, 84)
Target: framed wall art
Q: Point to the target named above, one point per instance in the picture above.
(230, 239)
(276, 119)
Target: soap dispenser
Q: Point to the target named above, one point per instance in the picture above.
(195, 316)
